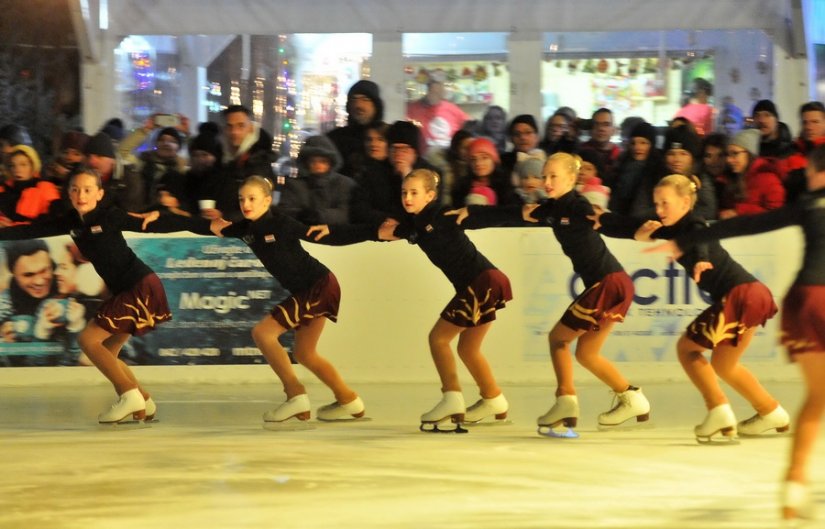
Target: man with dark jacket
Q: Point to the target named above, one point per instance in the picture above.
(364, 108)
(248, 151)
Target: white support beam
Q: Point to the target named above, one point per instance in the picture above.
(85, 15)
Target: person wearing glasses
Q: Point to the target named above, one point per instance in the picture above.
(751, 184)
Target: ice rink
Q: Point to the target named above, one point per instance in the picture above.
(209, 464)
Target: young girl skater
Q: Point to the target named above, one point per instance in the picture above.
(740, 305)
(481, 290)
(275, 239)
(589, 319)
(137, 303)
(803, 316)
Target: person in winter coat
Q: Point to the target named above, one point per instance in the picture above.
(639, 169)
(25, 196)
(364, 109)
(319, 194)
(752, 184)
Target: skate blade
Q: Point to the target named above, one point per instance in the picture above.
(289, 425)
(557, 433)
(442, 427)
(718, 440)
(627, 426)
(488, 421)
(131, 424)
(345, 420)
(769, 434)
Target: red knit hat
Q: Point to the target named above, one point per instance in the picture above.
(485, 146)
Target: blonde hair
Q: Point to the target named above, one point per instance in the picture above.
(683, 185)
(428, 178)
(571, 162)
(265, 184)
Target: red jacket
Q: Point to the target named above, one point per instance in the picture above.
(32, 199)
(763, 190)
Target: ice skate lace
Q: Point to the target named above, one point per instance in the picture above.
(619, 400)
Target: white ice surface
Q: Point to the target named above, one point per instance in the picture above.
(208, 464)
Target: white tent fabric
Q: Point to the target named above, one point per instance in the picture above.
(180, 17)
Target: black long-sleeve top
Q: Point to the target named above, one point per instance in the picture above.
(567, 215)
(99, 238)
(808, 212)
(445, 244)
(717, 281)
(275, 239)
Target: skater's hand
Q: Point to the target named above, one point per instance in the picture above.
(386, 231)
(461, 214)
(322, 230)
(594, 218)
(7, 332)
(148, 218)
(526, 212)
(646, 230)
(218, 225)
(700, 267)
(667, 247)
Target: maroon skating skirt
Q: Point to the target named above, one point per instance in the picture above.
(803, 320)
(320, 301)
(607, 300)
(477, 304)
(745, 306)
(135, 311)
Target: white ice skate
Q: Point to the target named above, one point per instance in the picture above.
(565, 412)
(629, 404)
(720, 420)
(129, 407)
(151, 410)
(342, 412)
(290, 415)
(447, 415)
(778, 420)
(495, 408)
(797, 497)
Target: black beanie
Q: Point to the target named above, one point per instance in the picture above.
(205, 141)
(405, 132)
(170, 131)
(368, 89)
(523, 118)
(682, 138)
(590, 155)
(765, 105)
(644, 130)
(100, 145)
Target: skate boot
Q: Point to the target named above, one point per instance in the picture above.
(629, 404)
(778, 420)
(450, 409)
(565, 412)
(129, 406)
(342, 412)
(719, 420)
(495, 407)
(796, 501)
(280, 418)
(151, 410)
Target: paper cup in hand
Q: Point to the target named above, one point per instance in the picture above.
(206, 204)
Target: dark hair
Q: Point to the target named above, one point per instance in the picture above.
(602, 110)
(17, 249)
(232, 109)
(817, 158)
(812, 106)
(716, 139)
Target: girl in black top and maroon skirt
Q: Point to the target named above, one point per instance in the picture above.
(740, 305)
(275, 239)
(803, 316)
(589, 319)
(481, 290)
(138, 302)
